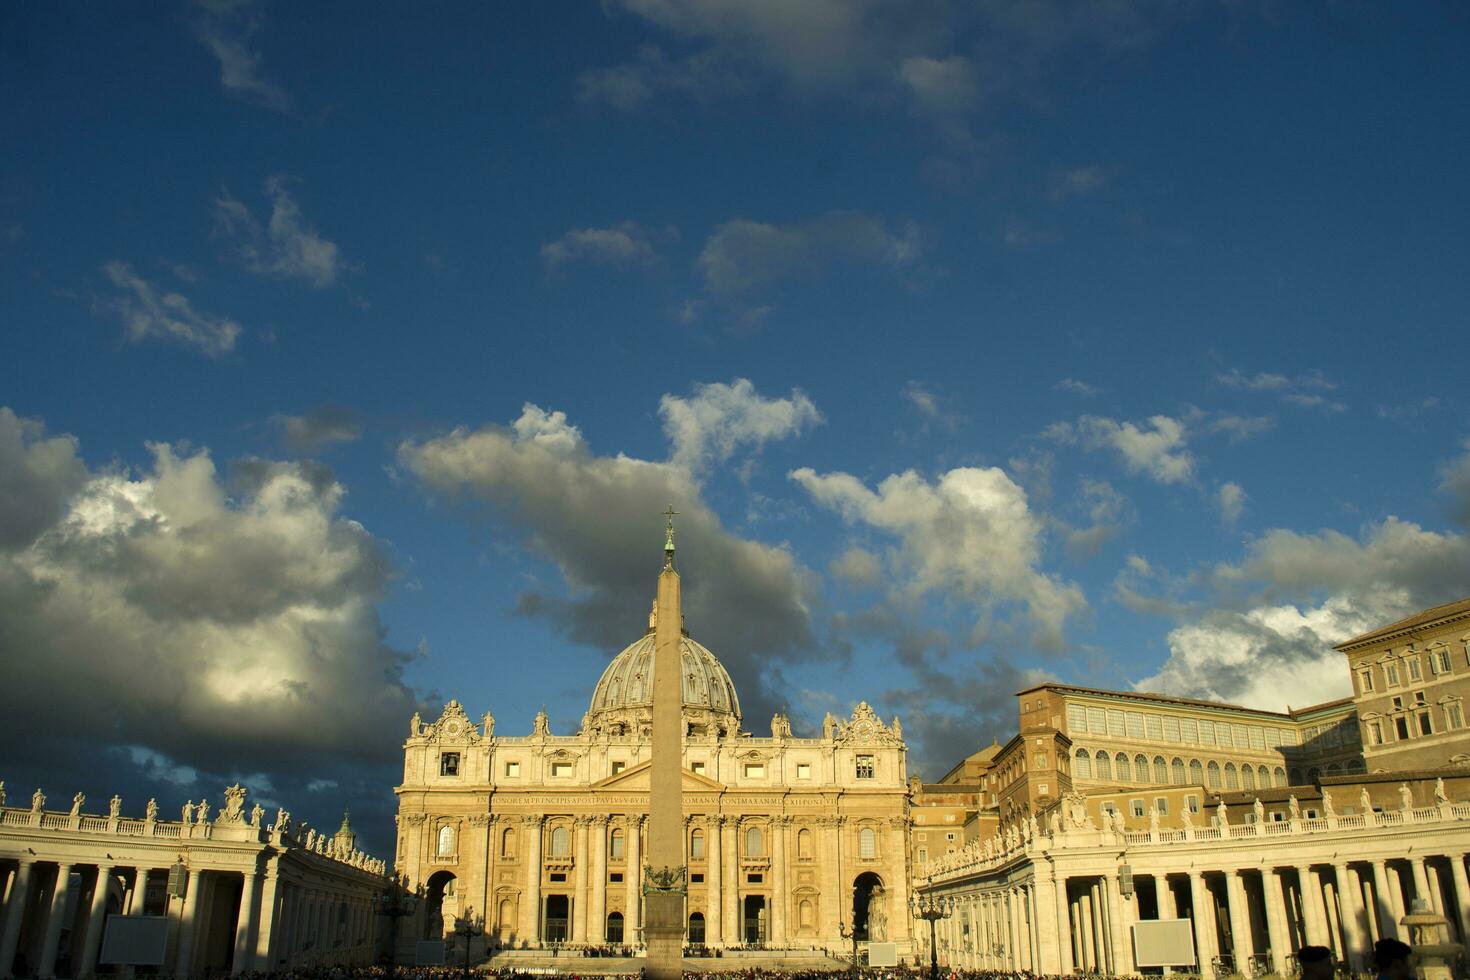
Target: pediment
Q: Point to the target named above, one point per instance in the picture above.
(637, 779)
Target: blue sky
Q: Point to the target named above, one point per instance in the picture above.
(352, 352)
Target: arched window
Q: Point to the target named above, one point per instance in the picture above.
(753, 842)
(1263, 777)
(1232, 778)
(508, 842)
(804, 844)
(1082, 765)
(1196, 773)
(1313, 774)
(696, 850)
(1161, 770)
(1247, 777)
(867, 843)
(1125, 770)
(561, 842)
(1140, 768)
(1176, 772)
(1278, 776)
(1103, 766)
(1296, 776)
(1213, 774)
(446, 840)
(615, 844)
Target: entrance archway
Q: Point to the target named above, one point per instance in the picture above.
(615, 927)
(696, 929)
(754, 908)
(867, 907)
(558, 913)
(441, 905)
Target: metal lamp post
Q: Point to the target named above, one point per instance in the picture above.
(466, 926)
(931, 909)
(850, 934)
(395, 903)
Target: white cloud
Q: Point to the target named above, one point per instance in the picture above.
(1273, 381)
(971, 535)
(1238, 428)
(1158, 449)
(1320, 402)
(597, 518)
(1454, 480)
(857, 567)
(623, 244)
(1078, 182)
(1075, 387)
(741, 254)
(940, 85)
(148, 312)
(717, 419)
(226, 28)
(1231, 500)
(1105, 509)
(244, 615)
(319, 427)
(286, 246)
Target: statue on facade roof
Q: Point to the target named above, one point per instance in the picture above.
(780, 726)
(1440, 796)
(1186, 817)
(2, 792)
(829, 726)
(151, 812)
(188, 812)
(415, 724)
(1294, 807)
(76, 804)
(1222, 814)
(203, 816)
(38, 800)
(256, 813)
(542, 724)
(489, 722)
(1364, 800)
(1406, 797)
(1153, 819)
(114, 806)
(1328, 810)
(1260, 810)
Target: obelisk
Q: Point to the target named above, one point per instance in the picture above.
(665, 879)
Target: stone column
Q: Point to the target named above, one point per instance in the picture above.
(597, 904)
(831, 856)
(714, 933)
(900, 925)
(1462, 896)
(269, 922)
(1313, 917)
(1388, 924)
(1204, 926)
(15, 910)
(1243, 944)
(1396, 894)
(1421, 880)
(95, 920)
(1275, 920)
(1350, 894)
(183, 957)
(580, 897)
(1089, 937)
(633, 882)
(531, 901)
(53, 922)
(245, 924)
(730, 874)
(1062, 918)
(1119, 913)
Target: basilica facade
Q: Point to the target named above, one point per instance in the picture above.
(789, 842)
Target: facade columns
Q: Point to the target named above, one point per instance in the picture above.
(531, 908)
(15, 910)
(714, 934)
(1275, 919)
(1242, 942)
(245, 923)
(597, 904)
(53, 922)
(95, 920)
(1421, 881)
(1102, 954)
(897, 851)
(1350, 895)
(1462, 896)
(1089, 937)
(633, 882)
(831, 858)
(779, 897)
(1204, 925)
(183, 957)
(1061, 915)
(1312, 914)
(730, 882)
(580, 898)
(266, 939)
(1388, 925)
(1118, 909)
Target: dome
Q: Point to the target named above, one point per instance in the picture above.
(622, 702)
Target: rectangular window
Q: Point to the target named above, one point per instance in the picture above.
(1426, 723)
(1096, 721)
(1375, 733)
(755, 770)
(1189, 730)
(1401, 727)
(949, 836)
(1171, 729)
(1136, 807)
(513, 770)
(1041, 788)
(865, 767)
(1365, 680)
(755, 877)
(615, 876)
(1076, 718)
(1398, 703)
(696, 877)
(1135, 724)
(1415, 674)
(561, 770)
(1454, 716)
(923, 855)
(1439, 661)
(1273, 738)
(697, 767)
(1258, 737)
(1242, 739)
(803, 770)
(1155, 728)
(449, 763)
(558, 876)
(696, 847)
(1207, 732)
(1391, 672)
(1115, 723)
(618, 766)
(1419, 698)
(1192, 802)
(1161, 804)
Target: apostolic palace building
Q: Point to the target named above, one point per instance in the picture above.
(1115, 832)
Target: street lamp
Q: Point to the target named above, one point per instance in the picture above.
(931, 909)
(467, 927)
(851, 934)
(395, 903)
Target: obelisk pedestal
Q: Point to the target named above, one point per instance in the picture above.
(665, 879)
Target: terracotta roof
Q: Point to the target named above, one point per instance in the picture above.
(1447, 611)
(1289, 714)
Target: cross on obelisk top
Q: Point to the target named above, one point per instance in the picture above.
(669, 516)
